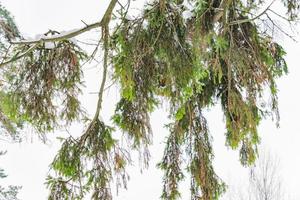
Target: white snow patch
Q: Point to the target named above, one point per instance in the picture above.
(187, 14)
(49, 45)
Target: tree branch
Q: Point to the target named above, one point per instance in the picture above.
(105, 65)
(254, 18)
(104, 21)
(105, 37)
(17, 57)
(60, 37)
(74, 33)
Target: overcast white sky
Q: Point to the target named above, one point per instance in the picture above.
(27, 163)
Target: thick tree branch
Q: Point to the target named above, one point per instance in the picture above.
(105, 37)
(59, 37)
(105, 66)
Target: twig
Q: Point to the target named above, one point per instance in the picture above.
(6, 53)
(277, 14)
(254, 18)
(17, 57)
(280, 29)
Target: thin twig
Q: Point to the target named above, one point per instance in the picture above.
(17, 57)
(280, 29)
(254, 18)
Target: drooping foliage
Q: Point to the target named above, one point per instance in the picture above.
(91, 161)
(56, 81)
(191, 54)
(8, 31)
(193, 63)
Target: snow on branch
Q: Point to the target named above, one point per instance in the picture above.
(72, 33)
(47, 40)
(59, 37)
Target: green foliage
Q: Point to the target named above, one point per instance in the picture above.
(193, 64)
(9, 193)
(292, 8)
(45, 79)
(88, 164)
(133, 118)
(8, 29)
(171, 164)
(8, 115)
(217, 55)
